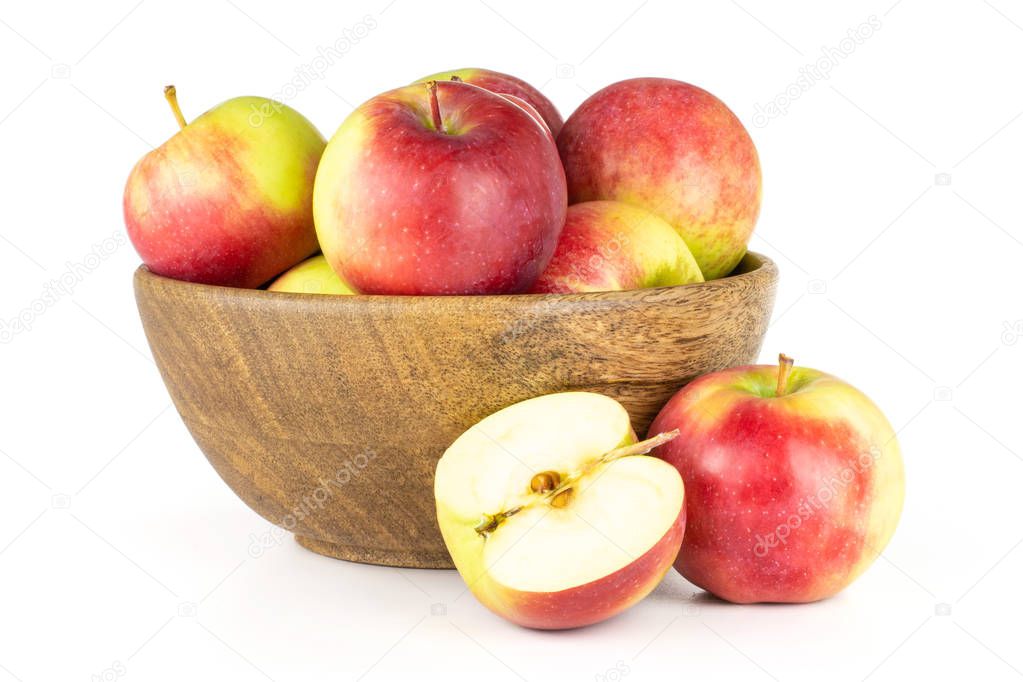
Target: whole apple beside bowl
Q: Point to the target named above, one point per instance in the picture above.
(794, 482)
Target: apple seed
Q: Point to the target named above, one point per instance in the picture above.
(545, 481)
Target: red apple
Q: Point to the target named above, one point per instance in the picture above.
(530, 110)
(228, 199)
(675, 150)
(611, 246)
(794, 482)
(440, 188)
(553, 515)
(505, 84)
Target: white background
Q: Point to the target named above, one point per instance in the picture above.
(122, 554)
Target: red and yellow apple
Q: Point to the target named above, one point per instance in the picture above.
(504, 84)
(675, 150)
(312, 276)
(553, 515)
(439, 188)
(611, 246)
(794, 482)
(228, 199)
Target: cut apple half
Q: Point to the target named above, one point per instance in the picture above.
(553, 514)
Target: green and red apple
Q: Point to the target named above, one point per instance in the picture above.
(228, 199)
(794, 482)
(553, 514)
(440, 188)
(612, 246)
(675, 150)
(505, 84)
(312, 276)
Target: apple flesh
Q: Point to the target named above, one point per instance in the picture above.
(675, 150)
(553, 515)
(439, 188)
(228, 199)
(505, 84)
(611, 246)
(312, 276)
(794, 482)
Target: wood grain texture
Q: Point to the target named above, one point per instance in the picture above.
(327, 414)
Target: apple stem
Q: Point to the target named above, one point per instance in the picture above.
(438, 122)
(171, 95)
(640, 448)
(784, 367)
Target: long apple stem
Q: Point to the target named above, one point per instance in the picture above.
(640, 448)
(171, 94)
(784, 367)
(438, 122)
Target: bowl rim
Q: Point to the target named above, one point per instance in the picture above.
(759, 268)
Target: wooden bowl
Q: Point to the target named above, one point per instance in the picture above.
(327, 414)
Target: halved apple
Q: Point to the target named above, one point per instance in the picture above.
(553, 515)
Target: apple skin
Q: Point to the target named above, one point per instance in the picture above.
(403, 208)
(574, 607)
(312, 276)
(224, 201)
(789, 498)
(611, 246)
(505, 84)
(529, 109)
(675, 150)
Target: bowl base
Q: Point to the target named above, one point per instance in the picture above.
(379, 557)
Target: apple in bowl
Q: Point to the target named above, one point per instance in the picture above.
(506, 84)
(611, 246)
(440, 188)
(675, 150)
(312, 276)
(794, 482)
(553, 514)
